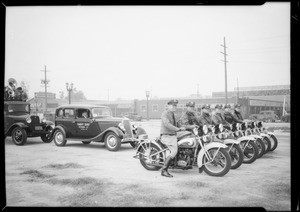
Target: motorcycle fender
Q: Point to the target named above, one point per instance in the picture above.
(145, 144)
(270, 133)
(256, 136)
(231, 141)
(246, 138)
(264, 135)
(208, 147)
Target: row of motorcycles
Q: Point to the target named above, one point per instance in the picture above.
(214, 149)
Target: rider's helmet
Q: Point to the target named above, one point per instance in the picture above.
(227, 106)
(190, 104)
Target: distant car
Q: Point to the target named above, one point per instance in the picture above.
(265, 115)
(133, 116)
(87, 123)
(19, 124)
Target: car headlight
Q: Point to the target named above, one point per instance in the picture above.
(195, 131)
(121, 126)
(28, 120)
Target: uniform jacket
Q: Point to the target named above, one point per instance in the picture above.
(237, 115)
(205, 119)
(230, 118)
(188, 118)
(168, 123)
(219, 119)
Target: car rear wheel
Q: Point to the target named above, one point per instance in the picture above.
(19, 136)
(60, 138)
(112, 141)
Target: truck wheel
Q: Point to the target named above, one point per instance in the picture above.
(47, 138)
(60, 138)
(19, 136)
(112, 141)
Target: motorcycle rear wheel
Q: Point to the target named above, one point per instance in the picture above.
(148, 162)
(220, 165)
(250, 152)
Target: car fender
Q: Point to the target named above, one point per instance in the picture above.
(208, 147)
(49, 123)
(100, 136)
(56, 128)
(18, 124)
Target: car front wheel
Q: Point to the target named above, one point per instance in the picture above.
(112, 141)
(59, 138)
(19, 136)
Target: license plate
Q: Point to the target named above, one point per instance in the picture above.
(38, 127)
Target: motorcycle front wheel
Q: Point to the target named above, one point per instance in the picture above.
(236, 155)
(250, 151)
(220, 165)
(149, 159)
(274, 142)
(267, 143)
(261, 147)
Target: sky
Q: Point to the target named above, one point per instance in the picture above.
(112, 52)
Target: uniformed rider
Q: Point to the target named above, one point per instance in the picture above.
(205, 118)
(168, 131)
(229, 116)
(189, 118)
(218, 117)
(237, 112)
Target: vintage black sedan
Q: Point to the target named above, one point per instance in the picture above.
(87, 123)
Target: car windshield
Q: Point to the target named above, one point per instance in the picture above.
(101, 112)
(19, 108)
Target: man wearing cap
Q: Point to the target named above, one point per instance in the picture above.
(168, 134)
(217, 117)
(229, 116)
(189, 119)
(237, 112)
(205, 118)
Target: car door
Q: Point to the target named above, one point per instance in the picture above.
(85, 126)
(65, 117)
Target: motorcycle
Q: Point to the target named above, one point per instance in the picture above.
(221, 134)
(272, 138)
(250, 129)
(212, 158)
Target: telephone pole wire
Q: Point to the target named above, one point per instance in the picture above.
(225, 61)
(45, 82)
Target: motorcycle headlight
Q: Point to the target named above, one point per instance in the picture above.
(195, 131)
(121, 126)
(205, 129)
(238, 126)
(28, 120)
(221, 128)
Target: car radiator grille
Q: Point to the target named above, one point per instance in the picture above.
(128, 128)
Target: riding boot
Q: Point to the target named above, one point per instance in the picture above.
(164, 170)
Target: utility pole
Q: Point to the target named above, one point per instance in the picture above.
(45, 82)
(225, 61)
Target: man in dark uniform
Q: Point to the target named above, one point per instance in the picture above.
(237, 112)
(217, 117)
(168, 131)
(189, 119)
(229, 116)
(205, 118)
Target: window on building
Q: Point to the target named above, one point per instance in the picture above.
(154, 108)
(143, 108)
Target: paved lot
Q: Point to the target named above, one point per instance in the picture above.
(39, 174)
